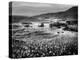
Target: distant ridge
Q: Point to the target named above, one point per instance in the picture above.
(16, 18)
(70, 13)
(73, 12)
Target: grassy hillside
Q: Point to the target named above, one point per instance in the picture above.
(71, 13)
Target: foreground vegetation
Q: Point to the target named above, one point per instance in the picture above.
(41, 44)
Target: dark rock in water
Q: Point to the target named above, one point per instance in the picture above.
(62, 32)
(58, 32)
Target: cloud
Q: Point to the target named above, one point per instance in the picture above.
(32, 9)
(30, 4)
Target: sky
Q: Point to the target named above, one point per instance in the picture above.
(33, 9)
